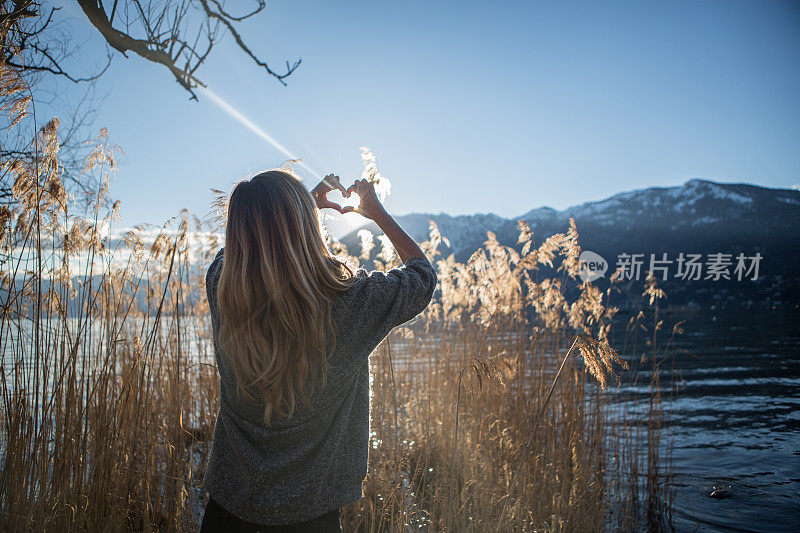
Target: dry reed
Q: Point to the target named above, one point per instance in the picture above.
(109, 390)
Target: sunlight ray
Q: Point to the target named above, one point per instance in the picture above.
(246, 122)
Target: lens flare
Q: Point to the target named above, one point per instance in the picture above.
(338, 224)
(247, 123)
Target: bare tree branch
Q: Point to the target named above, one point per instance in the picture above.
(28, 45)
(261, 5)
(178, 34)
(55, 67)
(159, 32)
(220, 15)
(21, 9)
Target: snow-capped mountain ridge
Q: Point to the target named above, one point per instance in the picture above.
(680, 200)
(693, 206)
(699, 217)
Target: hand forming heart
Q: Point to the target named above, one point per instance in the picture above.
(369, 206)
(320, 192)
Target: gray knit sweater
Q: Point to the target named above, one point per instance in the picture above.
(315, 461)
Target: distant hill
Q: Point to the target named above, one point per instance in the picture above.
(699, 217)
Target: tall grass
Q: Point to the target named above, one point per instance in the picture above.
(488, 412)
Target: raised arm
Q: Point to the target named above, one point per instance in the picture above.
(370, 207)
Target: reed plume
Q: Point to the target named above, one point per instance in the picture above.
(481, 418)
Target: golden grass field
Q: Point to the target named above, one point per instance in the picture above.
(109, 389)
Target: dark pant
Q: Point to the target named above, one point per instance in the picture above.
(216, 518)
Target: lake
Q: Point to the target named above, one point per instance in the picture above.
(735, 421)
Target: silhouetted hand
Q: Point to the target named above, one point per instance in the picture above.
(369, 207)
(320, 192)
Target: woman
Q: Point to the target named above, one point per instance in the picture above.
(293, 328)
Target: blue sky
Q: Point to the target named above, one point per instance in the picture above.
(471, 106)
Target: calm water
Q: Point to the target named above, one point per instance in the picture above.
(735, 422)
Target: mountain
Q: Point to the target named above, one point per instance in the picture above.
(700, 217)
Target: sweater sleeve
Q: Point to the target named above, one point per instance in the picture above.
(212, 279)
(385, 300)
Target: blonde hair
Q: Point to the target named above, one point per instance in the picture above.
(275, 292)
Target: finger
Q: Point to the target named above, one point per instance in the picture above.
(351, 209)
(331, 181)
(338, 185)
(322, 204)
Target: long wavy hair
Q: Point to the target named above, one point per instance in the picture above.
(276, 291)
